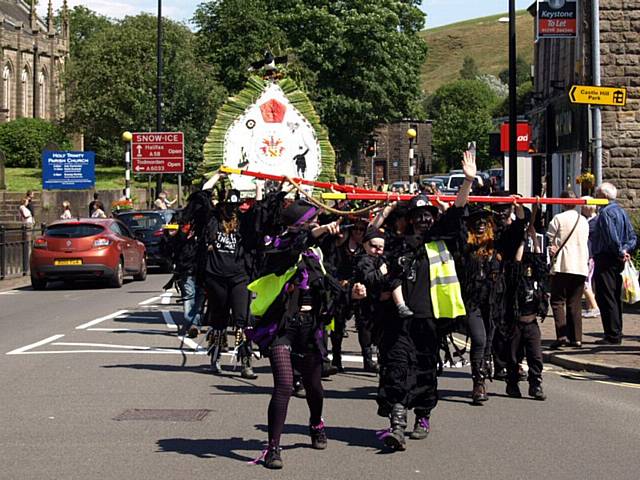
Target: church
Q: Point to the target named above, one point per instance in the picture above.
(32, 57)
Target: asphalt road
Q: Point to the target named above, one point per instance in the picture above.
(64, 387)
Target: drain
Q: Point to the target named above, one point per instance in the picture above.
(163, 415)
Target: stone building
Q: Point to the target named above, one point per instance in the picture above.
(561, 131)
(32, 57)
(391, 160)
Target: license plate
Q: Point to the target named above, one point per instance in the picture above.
(71, 261)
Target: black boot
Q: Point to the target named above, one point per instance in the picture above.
(370, 365)
(214, 338)
(318, 436)
(536, 392)
(247, 371)
(395, 439)
(273, 460)
(479, 393)
(421, 427)
(336, 350)
(328, 369)
(298, 387)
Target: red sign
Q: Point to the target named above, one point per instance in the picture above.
(557, 18)
(524, 137)
(158, 152)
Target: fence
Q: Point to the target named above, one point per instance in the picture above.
(15, 249)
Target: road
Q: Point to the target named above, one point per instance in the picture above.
(75, 362)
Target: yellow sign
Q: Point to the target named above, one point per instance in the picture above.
(613, 96)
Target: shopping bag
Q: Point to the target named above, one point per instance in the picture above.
(630, 284)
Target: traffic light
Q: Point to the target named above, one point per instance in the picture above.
(370, 150)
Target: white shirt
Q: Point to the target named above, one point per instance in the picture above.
(66, 215)
(25, 215)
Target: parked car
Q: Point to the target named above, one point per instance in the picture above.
(400, 186)
(87, 248)
(438, 182)
(147, 226)
(456, 179)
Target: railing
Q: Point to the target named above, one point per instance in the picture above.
(15, 249)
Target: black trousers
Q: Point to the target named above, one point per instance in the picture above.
(608, 289)
(481, 333)
(224, 296)
(527, 336)
(409, 350)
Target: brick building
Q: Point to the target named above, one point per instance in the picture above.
(32, 57)
(391, 161)
(561, 130)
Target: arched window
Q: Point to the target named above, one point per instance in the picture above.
(25, 92)
(42, 92)
(7, 75)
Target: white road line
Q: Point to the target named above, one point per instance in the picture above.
(149, 300)
(137, 317)
(168, 319)
(166, 298)
(10, 292)
(108, 345)
(162, 352)
(20, 350)
(189, 342)
(101, 319)
(133, 330)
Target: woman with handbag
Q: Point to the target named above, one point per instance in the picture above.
(568, 236)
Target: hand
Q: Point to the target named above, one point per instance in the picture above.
(469, 166)
(553, 249)
(383, 269)
(625, 256)
(359, 291)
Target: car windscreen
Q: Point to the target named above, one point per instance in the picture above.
(76, 230)
(143, 221)
(455, 182)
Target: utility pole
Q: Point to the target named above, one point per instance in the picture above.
(159, 87)
(513, 114)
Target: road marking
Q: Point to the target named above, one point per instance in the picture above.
(108, 345)
(20, 350)
(166, 298)
(137, 317)
(149, 300)
(101, 319)
(168, 319)
(10, 292)
(191, 343)
(133, 330)
(163, 352)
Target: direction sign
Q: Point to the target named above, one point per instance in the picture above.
(158, 152)
(614, 96)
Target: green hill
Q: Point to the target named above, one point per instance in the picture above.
(484, 39)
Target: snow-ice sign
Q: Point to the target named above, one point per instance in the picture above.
(273, 137)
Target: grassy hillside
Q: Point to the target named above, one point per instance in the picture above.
(484, 39)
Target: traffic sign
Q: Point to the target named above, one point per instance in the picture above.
(613, 96)
(158, 152)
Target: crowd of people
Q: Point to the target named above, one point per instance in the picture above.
(286, 274)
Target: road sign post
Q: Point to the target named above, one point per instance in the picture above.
(158, 152)
(596, 95)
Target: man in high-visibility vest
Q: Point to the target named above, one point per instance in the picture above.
(431, 290)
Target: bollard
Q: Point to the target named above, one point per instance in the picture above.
(3, 252)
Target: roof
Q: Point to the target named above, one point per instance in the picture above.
(18, 12)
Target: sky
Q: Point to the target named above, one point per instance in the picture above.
(439, 12)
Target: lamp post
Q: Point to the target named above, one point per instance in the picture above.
(411, 135)
(126, 138)
(160, 64)
(35, 80)
(513, 114)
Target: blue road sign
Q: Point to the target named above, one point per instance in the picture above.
(68, 170)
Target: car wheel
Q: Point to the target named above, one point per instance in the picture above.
(38, 284)
(142, 274)
(118, 277)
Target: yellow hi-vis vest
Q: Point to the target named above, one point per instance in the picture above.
(446, 294)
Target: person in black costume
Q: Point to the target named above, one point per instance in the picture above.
(295, 299)
(409, 347)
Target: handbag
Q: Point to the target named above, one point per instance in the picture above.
(554, 257)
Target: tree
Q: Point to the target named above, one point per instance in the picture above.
(23, 140)
(461, 112)
(111, 87)
(523, 72)
(359, 61)
(469, 70)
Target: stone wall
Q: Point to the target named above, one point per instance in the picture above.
(620, 66)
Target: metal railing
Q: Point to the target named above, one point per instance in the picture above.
(15, 249)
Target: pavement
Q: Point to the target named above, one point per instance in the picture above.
(97, 384)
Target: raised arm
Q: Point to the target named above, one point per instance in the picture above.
(469, 169)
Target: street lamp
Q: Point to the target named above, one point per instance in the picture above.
(411, 135)
(126, 138)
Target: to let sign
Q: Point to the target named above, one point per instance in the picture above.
(524, 137)
(612, 96)
(557, 19)
(158, 152)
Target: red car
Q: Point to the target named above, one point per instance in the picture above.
(87, 248)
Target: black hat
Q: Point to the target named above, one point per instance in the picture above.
(476, 212)
(232, 196)
(298, 213)
(372, 233)
(421, 201)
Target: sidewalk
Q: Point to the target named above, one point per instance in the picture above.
(621, 361)
(15, 282)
